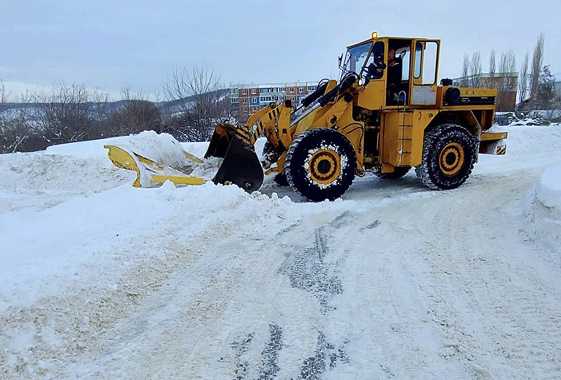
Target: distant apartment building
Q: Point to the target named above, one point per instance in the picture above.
(250, 98)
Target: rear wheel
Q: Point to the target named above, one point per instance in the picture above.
(449, 153)
(398, 173)
(320, 164)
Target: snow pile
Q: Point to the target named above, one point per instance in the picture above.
(532, 118)
(163, 148)
(42, 180)
(549, 188)
(546, 210)
(524, 140)
(41, 257)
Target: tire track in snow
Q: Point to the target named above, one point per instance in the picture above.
(225, 314)
(379, 314)
(498, 317)
(307, 270)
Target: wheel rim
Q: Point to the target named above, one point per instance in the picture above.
(324, 166)
(452, 159)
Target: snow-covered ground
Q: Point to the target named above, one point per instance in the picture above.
(100, 280)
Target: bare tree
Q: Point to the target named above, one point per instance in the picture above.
(134, 114)
(13, 136)
(523, 80)
(510, 68)
(492, 69)
(537, 61)
(100, 111)
(64, 115)
(195, 102)
(4, 96)
(507, 79)
(475, 70)
(465, 72)
(4, 139)
(18, 130)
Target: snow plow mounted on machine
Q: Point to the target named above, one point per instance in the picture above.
(386, 115)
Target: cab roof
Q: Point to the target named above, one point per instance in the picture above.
(385, 38)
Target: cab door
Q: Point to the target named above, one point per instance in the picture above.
(425, 72)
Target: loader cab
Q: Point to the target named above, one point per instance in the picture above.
(396, 72)
(356, 59)
(414, 80)
(397, 78)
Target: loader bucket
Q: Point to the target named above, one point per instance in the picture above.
(241, 165)
(220, 140)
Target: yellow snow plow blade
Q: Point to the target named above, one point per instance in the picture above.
(148, 171)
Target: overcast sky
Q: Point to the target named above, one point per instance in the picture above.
(113, 43)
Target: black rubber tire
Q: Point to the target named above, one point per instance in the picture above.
(398, 173)
(300, 154)
(436, 140)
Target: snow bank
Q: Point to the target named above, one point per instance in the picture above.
(84, 149)
(549, 188)
(68, 215)
(88, 236)
(162, 147)
(544, 211)
(530, 139)
(40, 180)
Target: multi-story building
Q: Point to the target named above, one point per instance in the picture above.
(297, 90)
(245, 98)
(250, 98)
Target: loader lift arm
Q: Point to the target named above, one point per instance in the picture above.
(236, 144)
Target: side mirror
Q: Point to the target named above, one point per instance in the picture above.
(340, 60)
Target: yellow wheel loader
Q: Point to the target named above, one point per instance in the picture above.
(386, 114)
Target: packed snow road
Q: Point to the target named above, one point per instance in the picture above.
(394, 281)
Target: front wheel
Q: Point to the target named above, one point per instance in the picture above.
(320, 164)
(449, 153)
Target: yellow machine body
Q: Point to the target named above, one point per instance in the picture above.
(390, 133)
